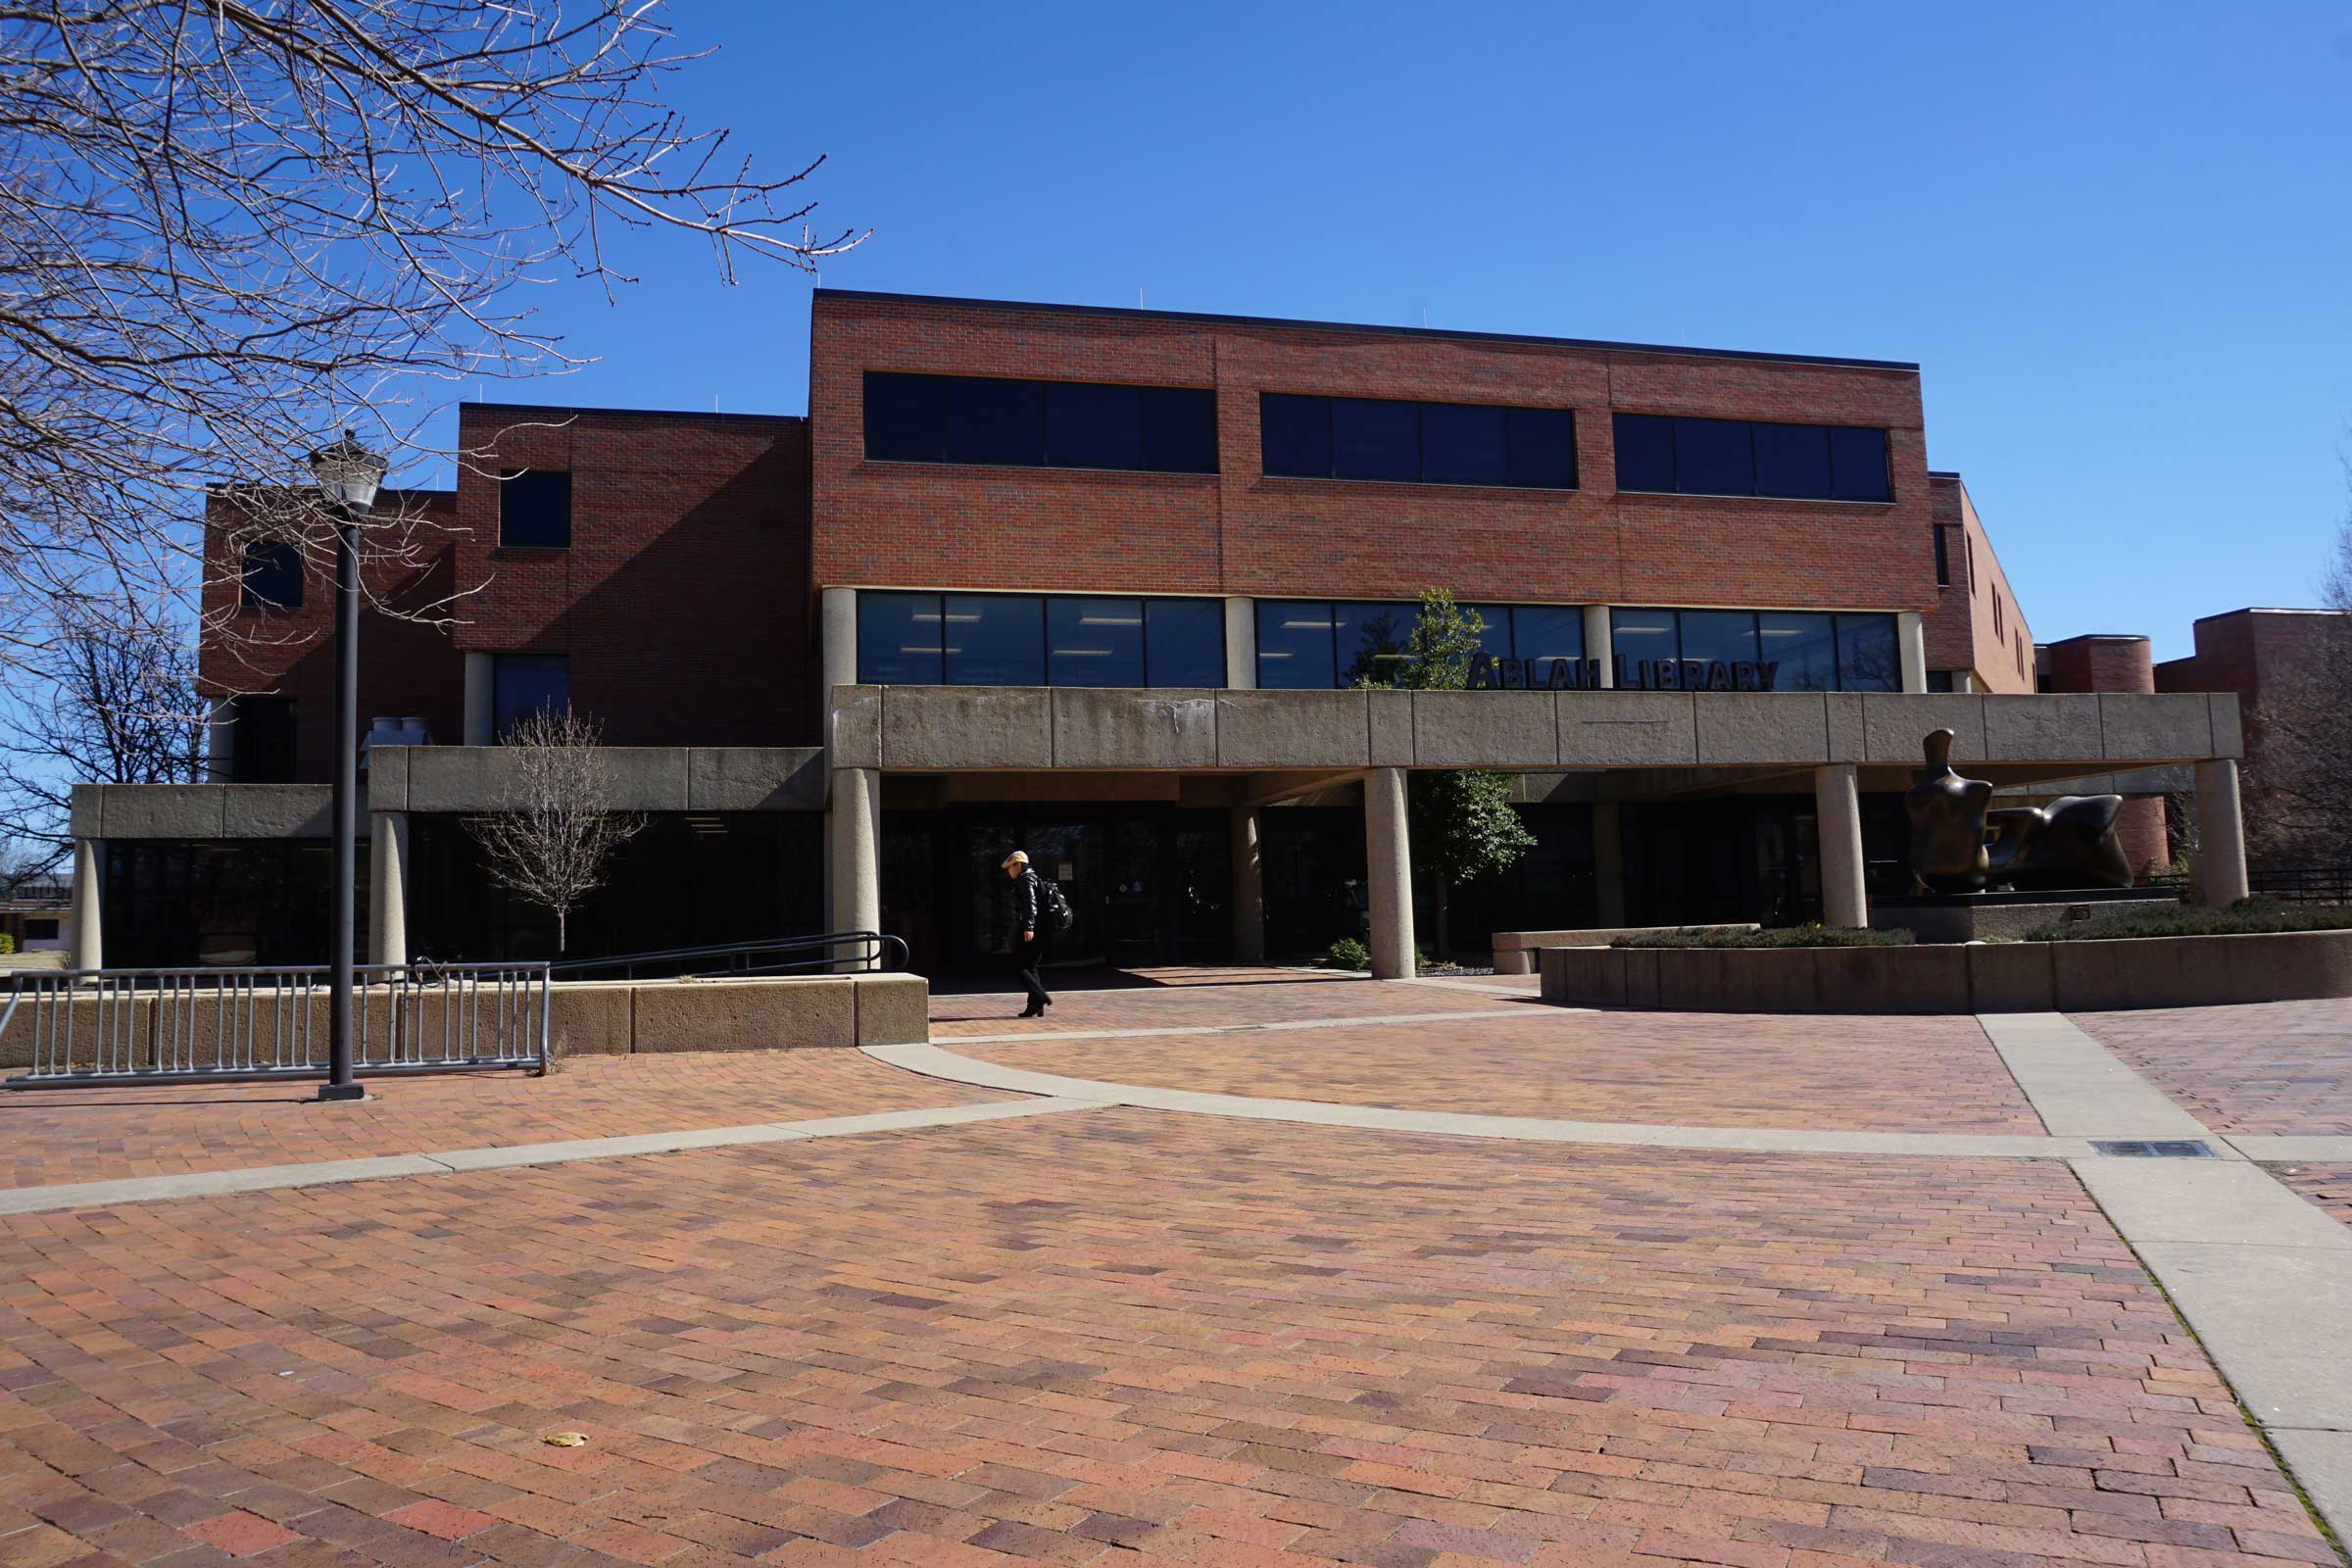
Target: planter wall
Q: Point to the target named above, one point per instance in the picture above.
(1998, 978)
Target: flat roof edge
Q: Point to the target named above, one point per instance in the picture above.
(1440, 333)
(575, 410)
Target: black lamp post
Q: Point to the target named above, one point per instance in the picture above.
(349, 473)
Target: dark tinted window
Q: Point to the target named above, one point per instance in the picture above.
(1494, 627)
(898, 640)
(1375, 440)
(272, 576)
(1089, 426)
(1095, 642)
(527, 684)
(1638, 634)
(1546, 633)
(1645, 452)
(996, 421)
(1792, 460)
(995, 639)
(1801, 646)
(1542, 445)
(1729, 635)
(1858, 465)
(1464, 443)
(1369, 640)
(1712, 458)
(261, 738)
(905, 418)
(1180, 429)
(1867, 655)
(1294, 645)
(1184, 641)
(1296, 432)
(534, 511)
(1939, 680)
(1943, 560)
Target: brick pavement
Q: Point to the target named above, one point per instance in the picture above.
(2266, 1067)
(1270, 996)
(54, 1135)
(2328, 1186)
(1695, 1069)
(1123, 1337)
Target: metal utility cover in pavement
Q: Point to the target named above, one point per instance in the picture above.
(2153, 1148)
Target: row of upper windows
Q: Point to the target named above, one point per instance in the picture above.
(1038, 640)
(1084, 424)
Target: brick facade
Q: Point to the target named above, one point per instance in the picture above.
(1240, 531)
(1976, 625)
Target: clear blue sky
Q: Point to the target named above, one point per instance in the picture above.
(2116, 238)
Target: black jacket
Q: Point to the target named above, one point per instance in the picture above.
(1028, 902)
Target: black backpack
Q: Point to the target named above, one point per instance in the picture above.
(1054, 905)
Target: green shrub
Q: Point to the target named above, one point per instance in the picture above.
(7, 944)
(1795, 936)
(2243, 917)
(1347, 954)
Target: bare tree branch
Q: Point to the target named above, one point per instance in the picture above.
(551, 842)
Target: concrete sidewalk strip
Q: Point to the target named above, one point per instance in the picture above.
(2322, 1463)
(2078, 1087)
(1165, 1032)
(897, 1121)
(2208, 1203)
(2274, 1149)
(212, 1182)
(2278, 1321)
(510, 1156)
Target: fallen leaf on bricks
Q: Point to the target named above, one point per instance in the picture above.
(565, 1439)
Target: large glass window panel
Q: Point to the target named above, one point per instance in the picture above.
(272, 576)
(996, 421)
(1729, 635)
(1464, 443)
(1640, 634)
(994, 639)
(1090, 427)
(1792, 460)
(1184, 642)
(1494, 637)
(905, 418)
(1294, 645)
(1372, 439)
(1095, 642)
(1712, 458)
(1858, 465)
(1180, 429)
(1543, 444)
(523, 685)
(1645, 450)
(1296, 435)
(1802, 646)
(1370, 639)
(1867, 659)
(1546, 633)
(898, 640)
(534, 509)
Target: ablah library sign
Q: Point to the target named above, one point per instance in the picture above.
(1491, 674)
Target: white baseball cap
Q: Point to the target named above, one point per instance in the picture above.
(1017, 858)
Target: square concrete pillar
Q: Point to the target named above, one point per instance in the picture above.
(854, 827)
(1608, 865)
(482, 700)
(1838, 807)
(1241, 645)
(1387, 860)
(88, 950)
(1911, 641)
(1248, 888)
(837, 624)
(2220, 835)
(1601, 642)
(388, 888)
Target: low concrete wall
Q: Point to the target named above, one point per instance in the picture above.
(601, 1018)
(1514, 950)
(1991, 977)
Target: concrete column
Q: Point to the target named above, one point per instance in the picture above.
(1248, 889)
(2220, 835)
(1387, 858)
(1608, 865)
(388, 888)
(1600, 643)
(89, 942)
(482, 700)
(1837, 824)
(1241, 645)
(855, 824)
(837, 632)
(221, 742)
(1911, 639)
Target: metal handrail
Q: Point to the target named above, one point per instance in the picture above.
(884, 952)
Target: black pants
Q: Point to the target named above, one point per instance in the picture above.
(1027, 958)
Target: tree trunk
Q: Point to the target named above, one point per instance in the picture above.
(562, 921)
(1442, 952)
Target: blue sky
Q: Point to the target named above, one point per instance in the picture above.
(2115, 237)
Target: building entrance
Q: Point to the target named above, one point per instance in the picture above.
(1148, 884)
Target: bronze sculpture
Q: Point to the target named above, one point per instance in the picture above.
(2069, 842)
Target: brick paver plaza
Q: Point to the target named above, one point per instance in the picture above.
(1133, 1335)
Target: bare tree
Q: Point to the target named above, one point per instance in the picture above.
(109, 702)
(231, 227)
(552, 840)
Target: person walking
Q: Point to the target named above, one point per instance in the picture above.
(1033, 914)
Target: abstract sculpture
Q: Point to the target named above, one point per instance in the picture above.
(2069, 842)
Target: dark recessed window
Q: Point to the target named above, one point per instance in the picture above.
(1297, 433)
(1542, 449)
(272, 576)
(996, 422)
(1184, 642)
(1095, 642)
(1640, 635)
(1868, 656)
(1713, 458)
(1033, 640)
(1943, 560)
(1027, 425)
(1645, 452)
(898, 640)
(534, 509)
(1941, 680)
(1375, 440)
(1804, 647)
(1295, 645)
(1792, 460)
(994, 639)
(905, 418)
(1546, 633)
(1729, 635)
(524, 684)
(1858, 465)
(261, 740)
(1465, 443)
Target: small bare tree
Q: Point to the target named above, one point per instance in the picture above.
(552, 840)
